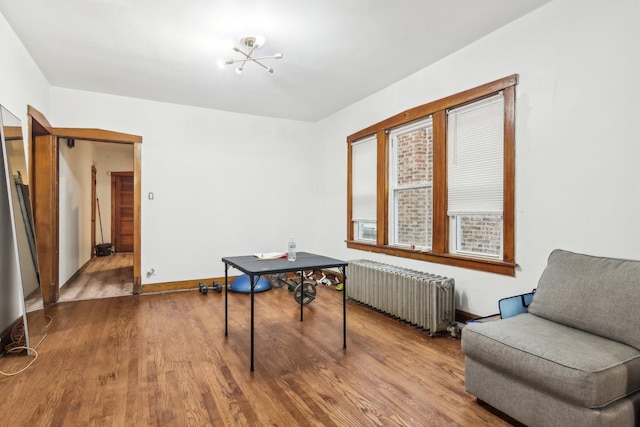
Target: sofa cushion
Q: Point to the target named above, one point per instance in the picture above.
(579, 367)
(595, 294)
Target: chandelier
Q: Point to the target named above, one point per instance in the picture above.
(251, 44)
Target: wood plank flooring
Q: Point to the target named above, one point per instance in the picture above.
(102, 277)
(163, 360)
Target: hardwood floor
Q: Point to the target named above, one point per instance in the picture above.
(102, 277)
(163, 360)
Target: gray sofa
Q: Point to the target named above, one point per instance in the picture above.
(574, 358)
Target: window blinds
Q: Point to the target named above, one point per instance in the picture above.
(475, 134)
(364, 179)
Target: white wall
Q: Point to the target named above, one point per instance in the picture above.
(220, 179)
(224, 183)
(75, 207)
(21, 83)
(577, 175)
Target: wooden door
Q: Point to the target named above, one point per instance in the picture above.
(122, 218)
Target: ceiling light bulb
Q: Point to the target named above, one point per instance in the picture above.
(269, 69)
(278, 56)
(228, 61)
(259, 41)
(239, 70)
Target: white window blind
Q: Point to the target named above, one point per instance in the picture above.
(364, 179)
(475, 147)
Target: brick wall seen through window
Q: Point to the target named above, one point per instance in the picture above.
(414, 205)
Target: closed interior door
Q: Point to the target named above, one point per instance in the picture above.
(122, 211)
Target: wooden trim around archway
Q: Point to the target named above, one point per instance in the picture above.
(44, 152)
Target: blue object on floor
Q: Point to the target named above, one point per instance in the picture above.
(242, 284)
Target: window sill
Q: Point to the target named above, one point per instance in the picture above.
(488, 265)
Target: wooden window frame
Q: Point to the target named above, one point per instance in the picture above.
(440, 244)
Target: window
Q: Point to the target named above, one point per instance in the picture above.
(439, 181)
(363, 188)
(410, 185)
(475, 140)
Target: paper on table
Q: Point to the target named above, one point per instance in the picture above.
(270, 255)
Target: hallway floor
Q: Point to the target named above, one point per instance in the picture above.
(103, 277)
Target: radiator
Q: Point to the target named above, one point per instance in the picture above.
(422, 299)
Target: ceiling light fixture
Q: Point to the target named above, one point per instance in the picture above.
(250, 45)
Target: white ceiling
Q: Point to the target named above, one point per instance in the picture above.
(336, 52)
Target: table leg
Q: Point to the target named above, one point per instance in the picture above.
(301, 293)
(253, 286)
(343, 270)
(226, 309)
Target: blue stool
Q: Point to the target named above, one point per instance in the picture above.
(242, 285)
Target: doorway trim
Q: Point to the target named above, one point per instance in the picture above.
(94, 173)
(49, 230)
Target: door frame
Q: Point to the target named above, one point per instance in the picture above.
(94, 173)
(44, 156)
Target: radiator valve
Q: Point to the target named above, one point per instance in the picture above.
(453, 329)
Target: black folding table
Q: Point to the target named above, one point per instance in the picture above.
(254, 268)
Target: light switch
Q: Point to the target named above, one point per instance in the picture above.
(150, 195)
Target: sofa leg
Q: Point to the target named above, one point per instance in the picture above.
(499, 413)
